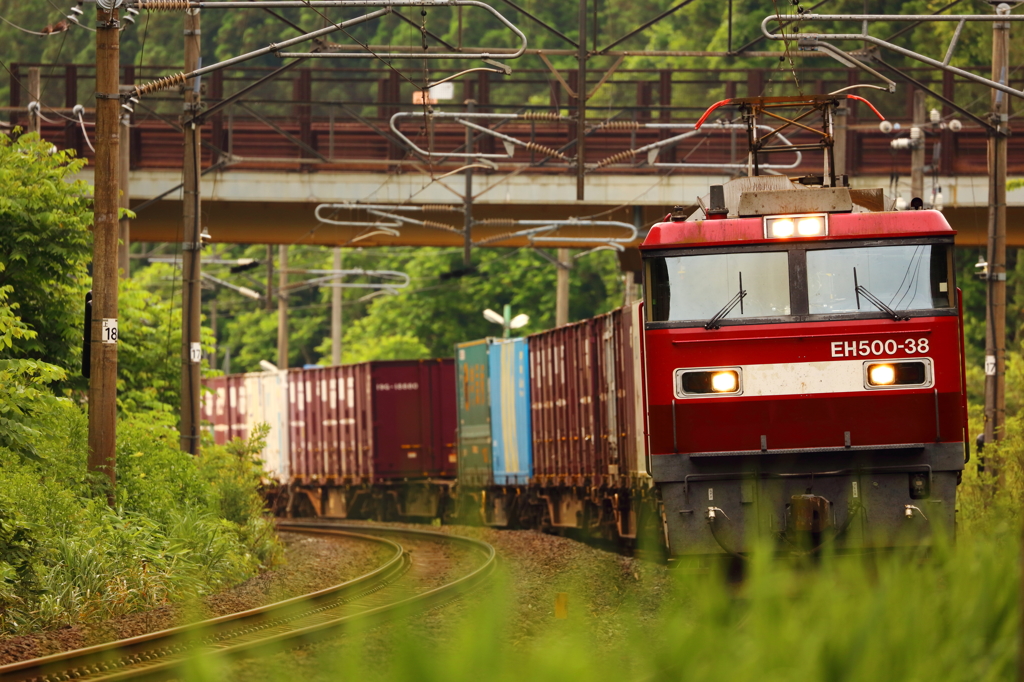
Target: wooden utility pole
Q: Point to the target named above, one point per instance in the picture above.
(35, 122)
(995, 310)
(191, 265)
(917, 152)
(124, 230)
(270, 277)
(282, 307)
(103, 332)
(562, 288)
(336, 311)
(581, 105)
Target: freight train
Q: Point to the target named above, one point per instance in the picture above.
(795, 374)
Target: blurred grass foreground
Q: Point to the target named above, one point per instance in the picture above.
(947, 612)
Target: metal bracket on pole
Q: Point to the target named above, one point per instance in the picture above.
(551, 259)
(391, 216)
(652, 150)
(865, 36)
(844, 58)
(465, 119)
(540, 231)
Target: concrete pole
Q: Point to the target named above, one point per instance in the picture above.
(336, 311)
(995, 311)
(562, 289)
(282, 307)
(191, 266)
(103, 334)
(34, 121)
(124, 229)
(917, 154)
(581, 108)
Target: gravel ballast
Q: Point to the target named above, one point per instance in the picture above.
(605, 593)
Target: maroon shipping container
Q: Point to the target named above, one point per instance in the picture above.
(584, 402)
(562, 392)
(355, 443)
(379, 421)
(414, 419)
(215, 412)
(338, 440)
(236, 407)
(301, 466)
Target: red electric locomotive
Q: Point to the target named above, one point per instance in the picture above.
(804, 360)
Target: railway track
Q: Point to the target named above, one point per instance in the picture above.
(406, 582)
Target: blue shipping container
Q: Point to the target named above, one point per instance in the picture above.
(512, 453)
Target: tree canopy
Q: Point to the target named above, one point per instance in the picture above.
(45, 248)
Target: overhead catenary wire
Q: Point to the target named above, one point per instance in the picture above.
(44, 34)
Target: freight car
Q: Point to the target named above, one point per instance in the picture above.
(370, 440)
(551, 431)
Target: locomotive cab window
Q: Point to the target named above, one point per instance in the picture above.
(722, 285)
(901, 277)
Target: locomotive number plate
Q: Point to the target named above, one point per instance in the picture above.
(874, 348)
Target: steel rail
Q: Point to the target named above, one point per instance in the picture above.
(300, 620)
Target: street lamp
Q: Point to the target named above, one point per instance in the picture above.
(507, 322)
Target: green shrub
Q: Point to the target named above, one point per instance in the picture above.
(66, 556)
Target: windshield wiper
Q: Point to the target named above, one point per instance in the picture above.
(859, 291)
(727, 308)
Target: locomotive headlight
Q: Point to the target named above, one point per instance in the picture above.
(910, 373)
(704, 383)
(810, 227)
(725, 382)
(881, 375)
(784, 227)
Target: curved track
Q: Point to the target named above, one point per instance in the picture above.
(407, 581)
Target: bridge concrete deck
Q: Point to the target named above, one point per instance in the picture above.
(268, 207)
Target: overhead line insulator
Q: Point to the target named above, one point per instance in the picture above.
(615, 158)
(162, 5)
(534, 147)
(160, 84)
(540, 116)
(618, 125)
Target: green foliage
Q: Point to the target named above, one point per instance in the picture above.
(182, 526)
(22, 382)
(441, 306)
(45, 246)
(149, 343)
(393, 347)
(442, 312)
(148, 347)
(66, 556)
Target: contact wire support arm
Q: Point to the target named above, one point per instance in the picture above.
(865, 36)
(181, 78)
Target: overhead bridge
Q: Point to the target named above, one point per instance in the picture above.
(270, 158)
